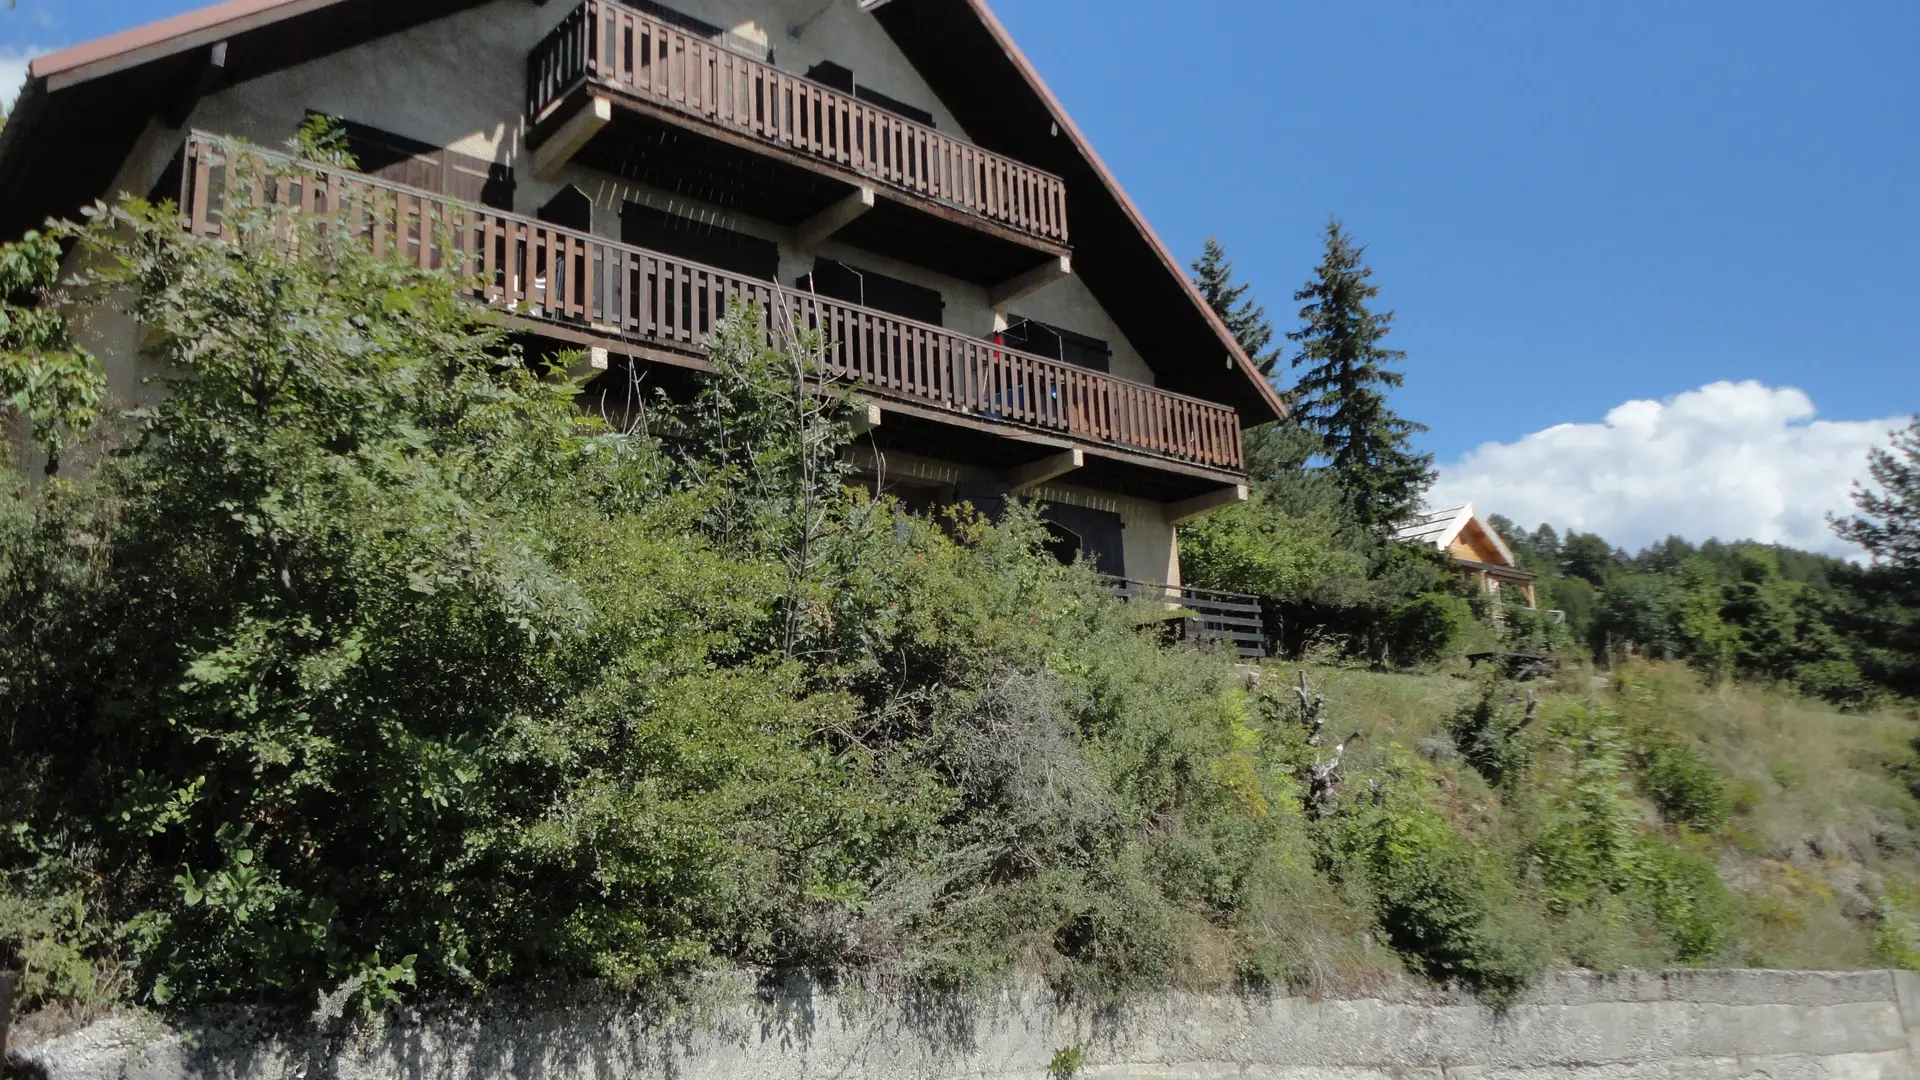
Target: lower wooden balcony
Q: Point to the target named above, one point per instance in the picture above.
(593, 291)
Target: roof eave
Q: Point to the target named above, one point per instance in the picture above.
(1235, 354)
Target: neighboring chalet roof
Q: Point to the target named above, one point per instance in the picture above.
(1442, 527)
(84, 108)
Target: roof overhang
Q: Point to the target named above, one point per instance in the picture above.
(973, 65)
(1505, 573)
(84, 109)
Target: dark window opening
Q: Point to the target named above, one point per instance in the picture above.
(699, 241)
(841, 78)
(570, 209)
(1095, 534)
(1040, 339)
(838, 281)
(677, 18)
(834, 75)
(1062, 543)
(431, 168)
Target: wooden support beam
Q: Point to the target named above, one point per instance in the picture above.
(817, 229)
(1188, 509)
(1034, 473)
(1016, 289)
(866, 419)
(592, 363)
(569, 138)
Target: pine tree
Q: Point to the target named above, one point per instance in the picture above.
(1213, 276)
(1888, 524)
(1341, 395)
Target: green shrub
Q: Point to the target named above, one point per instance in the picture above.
(1421, 630)
(1442, 903)
(1687, 790)
(1585, 840)
(372, 664)
(1688, 899)
(1490, 733)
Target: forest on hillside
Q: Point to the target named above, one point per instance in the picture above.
(1314, 541)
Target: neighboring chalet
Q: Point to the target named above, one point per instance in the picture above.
(620, 173)
(1475, 548)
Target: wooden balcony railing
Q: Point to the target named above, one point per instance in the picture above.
(620, 48)
(630, 294)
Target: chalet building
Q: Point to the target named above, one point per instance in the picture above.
(894, 174)
(1475, 548)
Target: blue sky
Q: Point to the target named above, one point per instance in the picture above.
(1570, 206)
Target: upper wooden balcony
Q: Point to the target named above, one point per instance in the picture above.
(623, 92)
(590, 290)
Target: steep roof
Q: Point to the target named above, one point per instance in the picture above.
(112, 87)
(1441, 528)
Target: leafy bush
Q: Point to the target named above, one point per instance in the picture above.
(1421, 630)
(1688, 899)
(1489, 732)
(1443, 904)
(371, 664)
(1687, 790)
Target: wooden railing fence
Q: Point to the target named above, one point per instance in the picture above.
(1229, 619)
(615, 46)
(546, 272)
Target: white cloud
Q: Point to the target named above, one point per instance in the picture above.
(1729, 460)
(13, 71)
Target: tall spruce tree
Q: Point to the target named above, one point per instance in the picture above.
(1341, 396)
(1276, 452)
(1888, 524)
(1213, 276)
(1884, 607)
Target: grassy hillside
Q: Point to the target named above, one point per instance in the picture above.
(1800, 808)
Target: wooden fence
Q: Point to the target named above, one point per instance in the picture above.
(545, 272)
(617, 47)
(1219, 618)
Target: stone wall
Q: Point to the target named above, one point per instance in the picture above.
(1636, 1026)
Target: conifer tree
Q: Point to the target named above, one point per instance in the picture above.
(1341, 395)
(1213, 276)
(1888, 524)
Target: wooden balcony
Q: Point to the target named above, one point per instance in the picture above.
(631, 300)
(630, 94)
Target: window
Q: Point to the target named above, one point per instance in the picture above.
(838, 281)
(429, 167)
(570, 209)
(1040, 339)
(1075, 531)
(699, 241)
(842, 79)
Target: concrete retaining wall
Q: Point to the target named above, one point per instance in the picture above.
(1637, 1026)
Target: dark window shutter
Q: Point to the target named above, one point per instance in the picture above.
(1040, 339)
(834, 75)
(431, 168)
(699, 241)
(1099, 534)
(841, 78)
(837, 280)
(569, 209)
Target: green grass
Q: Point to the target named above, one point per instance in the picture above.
(1799, 807)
